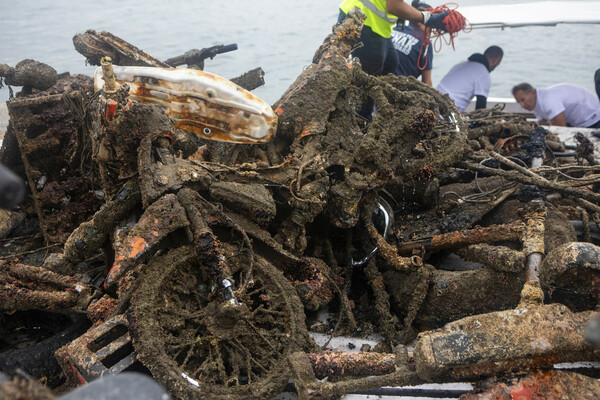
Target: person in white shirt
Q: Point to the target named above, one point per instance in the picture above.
(561, 105)
(597, 82)
(471, 78)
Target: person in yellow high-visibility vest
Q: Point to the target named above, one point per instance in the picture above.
(382, 16)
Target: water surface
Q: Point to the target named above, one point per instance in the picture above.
(279, 36)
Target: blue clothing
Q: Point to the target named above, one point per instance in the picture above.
(374, 52)
(407, 43)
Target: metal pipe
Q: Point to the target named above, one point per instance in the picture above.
(533, 267)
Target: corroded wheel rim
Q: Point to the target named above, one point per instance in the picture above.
(199, 346)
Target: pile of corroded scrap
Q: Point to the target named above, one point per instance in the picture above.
(46, 130)
(494, 129)
(209, 260)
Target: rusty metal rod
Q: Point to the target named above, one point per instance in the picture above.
(493, 233)
(386, 251)
(341, 363)
(25, 287)
(533, 238)
(500, 258)
(158, 220)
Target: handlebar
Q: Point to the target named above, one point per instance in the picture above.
(227, 48)
(197, 57)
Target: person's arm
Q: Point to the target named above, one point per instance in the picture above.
(559, 120)
(405, 11)
(481, 102)
(402, 10)
(426, 77)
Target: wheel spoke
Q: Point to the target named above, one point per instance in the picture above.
(261, 309)
(219, 362)
(241, 348)
(205, 370)
(263, 337)
(223, 348)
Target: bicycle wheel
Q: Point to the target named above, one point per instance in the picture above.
(200, 346)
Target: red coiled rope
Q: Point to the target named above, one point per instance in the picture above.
(454, 22)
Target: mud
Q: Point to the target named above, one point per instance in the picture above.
(94, 45)
(456, 294)
(30, 74)
(53, 151)
(204, 262)
(253, 200)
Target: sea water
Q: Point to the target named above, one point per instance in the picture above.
(281, 37)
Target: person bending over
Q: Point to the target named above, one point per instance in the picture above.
(561, 105)
(471, 78)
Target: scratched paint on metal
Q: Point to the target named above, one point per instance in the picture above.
(206, 104)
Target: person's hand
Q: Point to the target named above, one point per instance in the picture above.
(435, 21)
